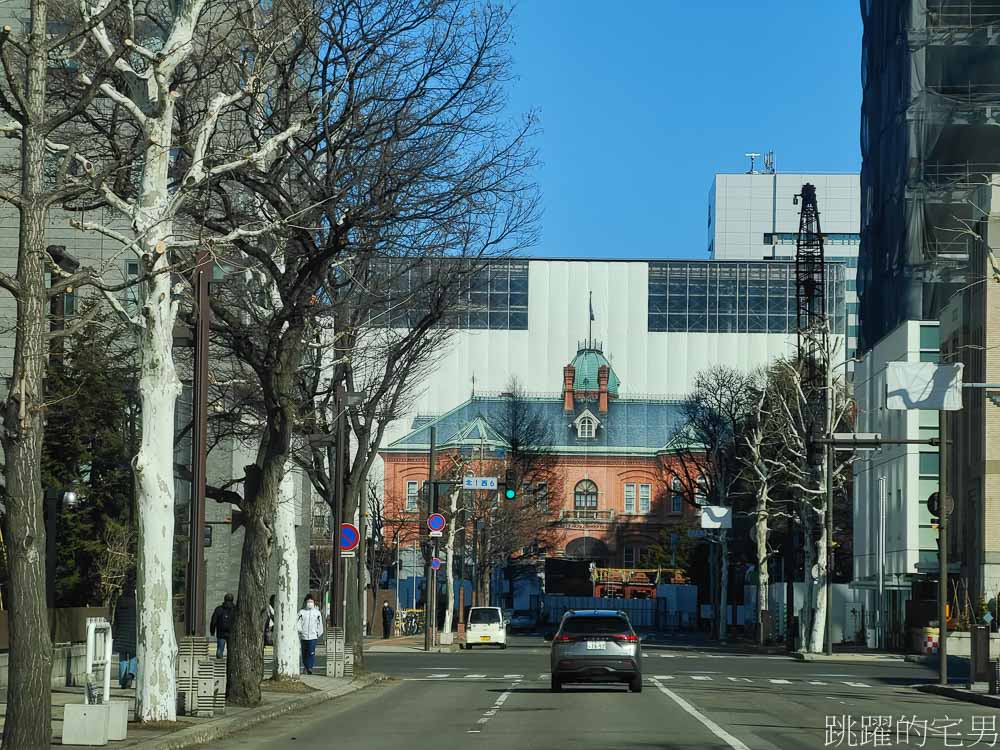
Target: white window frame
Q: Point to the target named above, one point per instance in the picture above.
(629, 497)
(676, 496)
(587, 428)
(132, 294)
(630, 548)
(412, 498)
(645, 502)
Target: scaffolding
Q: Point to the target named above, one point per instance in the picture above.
(930, 139)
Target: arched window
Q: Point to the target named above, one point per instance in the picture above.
(585, 495)
(586, 429)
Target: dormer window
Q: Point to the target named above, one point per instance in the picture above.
(586, 425)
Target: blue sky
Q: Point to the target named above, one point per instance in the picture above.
(641, 105)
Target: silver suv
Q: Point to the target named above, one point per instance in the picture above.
(596, 645)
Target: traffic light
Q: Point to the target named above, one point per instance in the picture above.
(510, 482)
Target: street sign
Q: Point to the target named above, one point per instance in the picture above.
(479, 483)
(987, 618)
(435, 522)
(436, 534)
(344, 555)
(435, 563)
(349, 537)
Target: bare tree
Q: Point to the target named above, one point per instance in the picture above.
(706, 454)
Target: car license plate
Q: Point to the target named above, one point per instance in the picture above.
(595, 645)
(484, 637)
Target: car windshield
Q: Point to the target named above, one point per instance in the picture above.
(595, 625)
(484, 617)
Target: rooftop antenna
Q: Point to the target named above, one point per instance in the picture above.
(753, 162)
(590, 323)
(769, 163)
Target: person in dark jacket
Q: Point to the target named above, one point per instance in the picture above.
(222, 623)
(387, 615)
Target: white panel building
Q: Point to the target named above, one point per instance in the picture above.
(660, 321)
(893, 539)
(754, 216)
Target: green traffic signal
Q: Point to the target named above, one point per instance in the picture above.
(510, 493)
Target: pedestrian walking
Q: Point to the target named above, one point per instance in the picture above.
(269, 623)
(222, 623)
(387, 615)
(310, 627)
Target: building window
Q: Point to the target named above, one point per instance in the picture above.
(630, 498)
(585, 428)
(631, 555)
(644, 493)
(541, 495)
(585, 495)
(701, 493)
(132, 294)
(411, 497)
(676, 496)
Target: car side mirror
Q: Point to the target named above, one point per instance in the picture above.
(549, 635)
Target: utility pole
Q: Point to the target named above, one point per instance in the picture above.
(336, 578)
(430, 576)
(195, 599)
(828, 516)
(946, 506)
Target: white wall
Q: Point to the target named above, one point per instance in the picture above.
(648, 363)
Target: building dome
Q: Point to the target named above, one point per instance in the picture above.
(588, 359)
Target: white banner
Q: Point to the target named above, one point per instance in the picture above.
(716, 517)
(923, 385)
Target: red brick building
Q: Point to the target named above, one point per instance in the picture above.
(610, 494)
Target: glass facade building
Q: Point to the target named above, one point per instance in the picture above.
(728, 297)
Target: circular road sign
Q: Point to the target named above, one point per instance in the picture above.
(435, 522)
(349, 537)
(435, 563)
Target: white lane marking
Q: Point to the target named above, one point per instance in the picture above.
(696, 671)
(441, 669)
(497, 705)
(700, 677)
(817, 682)
(479, 676)
(513, 676)
(433, 676)
(645, 655)
(543, 676)
(829, 675)
(667, 656)
(739, 679)
(856, 684)
(718, 731)
(663, 677)
(781, 682)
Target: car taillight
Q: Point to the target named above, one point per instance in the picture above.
(564, 638)
(627, 637)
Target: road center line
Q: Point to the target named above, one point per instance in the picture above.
(718, 731)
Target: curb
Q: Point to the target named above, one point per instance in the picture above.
(216, 730)
(961, 695)
(800, 656)
(922, 659)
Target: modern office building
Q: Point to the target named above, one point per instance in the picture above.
(929, 138)
(895, 548)
(755, 216)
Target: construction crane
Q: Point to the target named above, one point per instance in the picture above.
(812, 324)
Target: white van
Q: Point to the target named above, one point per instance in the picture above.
(486, 626)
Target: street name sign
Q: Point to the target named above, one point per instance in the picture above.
(479, 483)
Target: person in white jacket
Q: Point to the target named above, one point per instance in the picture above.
(310, 627)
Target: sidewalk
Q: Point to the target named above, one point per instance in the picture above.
(406, 644)
(190, 731)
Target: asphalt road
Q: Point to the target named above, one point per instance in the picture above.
(694, 696)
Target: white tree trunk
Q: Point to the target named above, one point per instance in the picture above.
(156, 652)
(449, 552)
(806, 514)
(763, 577)
(819, 620)
(286, 639)
(723, 582)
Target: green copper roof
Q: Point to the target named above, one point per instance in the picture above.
(586, 363)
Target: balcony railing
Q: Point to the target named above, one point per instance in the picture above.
(597, 516)
(962, 15)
